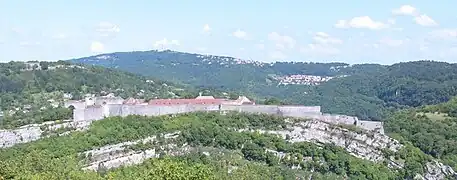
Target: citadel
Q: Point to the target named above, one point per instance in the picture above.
(97, 108)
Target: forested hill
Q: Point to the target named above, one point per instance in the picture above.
(431, 128)
(365, 90)
(32, 92)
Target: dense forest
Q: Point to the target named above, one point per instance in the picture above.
(369, 91)
(233, 154)
(432, 128)
(33, 92)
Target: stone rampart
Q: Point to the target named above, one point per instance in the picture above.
(293, 111)
(371, 125)
(265, 109)
(89, 113)
(75, 104)
(107, 100)
(155, 110)
(300, 111)
(312, 112)
(82, 117)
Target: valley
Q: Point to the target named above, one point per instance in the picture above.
(322, 121)
(228, 90)
(368, 91)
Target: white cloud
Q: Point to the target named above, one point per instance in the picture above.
(260, 46)
(324, 38)
(391, 42)
(323, 44)
(206, 28)
(165, 43)
(240, 34)
(282, 41)
(106, 29)
(320, 49)
(361, 22)
(408, 10)
(405, 10)
(97, 47)
(280, 46)
(391, 21)
(277, 55)
(425, 20)
(322, 34)
(444, 33)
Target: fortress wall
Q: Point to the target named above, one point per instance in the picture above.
(76, 104)
(125, 110)
(78, 114)
(371, 125)
(100, 101)
(267, 109)
(156, 110)
(138, 110)
(338, 119)
(99, 112)
(93, 113)
(293, 111)
(114, 109)
(300, 111)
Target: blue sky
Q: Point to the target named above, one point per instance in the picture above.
(383, 32)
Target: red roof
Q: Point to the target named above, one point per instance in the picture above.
(184, 101)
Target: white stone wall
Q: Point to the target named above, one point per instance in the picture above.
(312, 112)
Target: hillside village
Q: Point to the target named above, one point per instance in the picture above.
(299, 79)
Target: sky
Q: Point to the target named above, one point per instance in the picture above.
(362, 31)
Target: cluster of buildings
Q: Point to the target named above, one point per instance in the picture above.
(35, 65)
(302, 79)
(199, 100)
(97, 108)
(228, 60)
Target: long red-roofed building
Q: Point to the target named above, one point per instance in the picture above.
(185, 101)
(206, 100)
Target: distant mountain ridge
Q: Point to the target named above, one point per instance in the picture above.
(364, 90)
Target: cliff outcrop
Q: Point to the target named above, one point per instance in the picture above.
(359, 143)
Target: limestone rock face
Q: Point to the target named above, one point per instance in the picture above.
(116, 155)
(26, 134)
(436, 170)
(361, 143)
(33, 132)
(365, 145)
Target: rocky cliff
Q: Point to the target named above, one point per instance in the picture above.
(359, 143)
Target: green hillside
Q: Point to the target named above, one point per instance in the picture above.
(368, 91)
(432, 128)
(212, 134)
(33, 92)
